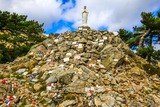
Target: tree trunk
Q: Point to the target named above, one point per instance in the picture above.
(142, 38)
(150, 40)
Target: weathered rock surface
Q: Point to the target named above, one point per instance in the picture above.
(79, 69)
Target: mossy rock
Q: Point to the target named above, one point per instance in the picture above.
(31, 64)
(14, 68)
(156, 87)
(19, 76)
(71, 97)
(106, 64)
(66, 79)
(151, 69)
(42, 101)
(43, 88)
(40, 75)
(1, 76)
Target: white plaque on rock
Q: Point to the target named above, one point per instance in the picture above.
(61, 66)
(92, 88)
(115, 33)
(76, 57)
(74, 43)
(105, 38)
(48, 60)
(115, 60)
(80, 46)
(100, 44)
(95, 43)
(56, 40)
(101, 40)
(87, 89)
(49, 44)
(49, 88)
(69, 54)
(66, 59)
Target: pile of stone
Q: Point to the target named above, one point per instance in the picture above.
(79, 69)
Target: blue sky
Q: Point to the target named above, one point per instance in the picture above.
(59, 16)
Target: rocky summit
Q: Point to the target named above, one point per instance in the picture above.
(79, 69)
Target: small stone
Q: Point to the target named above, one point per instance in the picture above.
(37, 86)
(104, 105)
(56, 40)
(66, 59)
(31, 53)
(91, 103)
(74, 43)
(77, 57)
(25, 73)
(20, 71)
(69, 54)
(104, 37)
(43, 94)
(97, 101)
(80, 46)
(115, 60)
(156, 99)
(49, 45)
(115, 33)
(109, 100)
(67, 103)
(106, 82)
(48, 88)
(119, 99)
(100, 44)
(34, 80)
(113, 81)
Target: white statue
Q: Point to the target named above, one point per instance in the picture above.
(84, 20)
(84, 17)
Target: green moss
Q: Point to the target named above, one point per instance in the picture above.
(31, 64)
(31, 87)
(43, 88)
(19, 76)
(139, 64)
(42, 101)
(156, 87)
(151, 69)
(106, 64)
(1, 76)
(71, 96)
(23, 103)
(40, 75)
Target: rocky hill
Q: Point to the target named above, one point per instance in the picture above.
(79, 69)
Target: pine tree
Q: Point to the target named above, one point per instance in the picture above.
(16, 25)
(142, 36)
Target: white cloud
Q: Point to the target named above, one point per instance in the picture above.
(44, 11)
(113, 14)
(157, 46)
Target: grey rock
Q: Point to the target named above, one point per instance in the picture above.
(61, 76)
(109, 100)
(97, 101)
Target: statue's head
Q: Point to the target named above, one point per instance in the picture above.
(85, 7)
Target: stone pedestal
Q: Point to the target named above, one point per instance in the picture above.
(83, 28)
